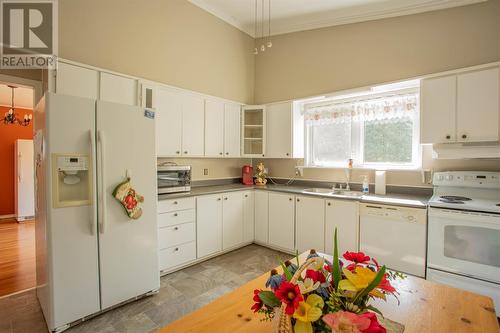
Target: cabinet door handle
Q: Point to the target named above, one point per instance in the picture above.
(185, 152)
(263, 155)
(329, 204)
(175, 202)
(175, 214)
(289, 199)
(227, 153)
(218, 199)
(464, 136)
(287, 154)
(176, 249)
(176, 228)
(225, 198)
(246, 195)
(178, 152)
(298, 200)
(220, 153)
(448, 137)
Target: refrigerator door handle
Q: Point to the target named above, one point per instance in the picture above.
(102, 144)
(93, 206)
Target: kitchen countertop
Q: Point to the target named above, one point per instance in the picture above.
(395, 199)
(424, 306)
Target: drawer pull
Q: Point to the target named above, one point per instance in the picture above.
(218, 199)
(290, 199)
(175, 202)
(176, 228)
(329, 204)
(448, 137)
(298, 200)
(175, 214)
(246, 195)
(225, 198)
(176, 249)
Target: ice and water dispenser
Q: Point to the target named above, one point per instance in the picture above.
(72, 180)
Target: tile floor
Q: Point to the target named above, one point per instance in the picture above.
(180, 293)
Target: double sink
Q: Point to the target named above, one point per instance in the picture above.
(337, 193)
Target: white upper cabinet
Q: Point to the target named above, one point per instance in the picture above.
(253, 131)
(461, 108)
(232, 125)
(77, 81)
(438, 98)
(310, 223)
(193, 125)
(282, 221)
(279, 130)
(248, 216)
(232, 219)
(118, 89)
(168, 122)
(214, 128)
(208, 225)
(343, 215)
(478, 98)
(261, 217)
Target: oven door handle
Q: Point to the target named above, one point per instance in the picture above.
(169, 178)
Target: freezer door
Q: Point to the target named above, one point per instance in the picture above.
(71, 239)
(127, 247)
(24, 182)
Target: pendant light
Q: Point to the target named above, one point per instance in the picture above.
(264, 44)
(10, 117)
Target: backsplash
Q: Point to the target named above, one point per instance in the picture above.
(218, 168)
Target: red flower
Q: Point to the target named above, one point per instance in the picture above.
(289, 294)
(374, 327)
(327, 268)
(316, 276)
(386, 285)
(357, 257)
(258, 302)
(351, 267)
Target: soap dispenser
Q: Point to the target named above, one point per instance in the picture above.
(366, 185)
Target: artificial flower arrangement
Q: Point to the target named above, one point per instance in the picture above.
(320, 296)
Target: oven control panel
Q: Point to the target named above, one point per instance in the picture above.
(467, 179)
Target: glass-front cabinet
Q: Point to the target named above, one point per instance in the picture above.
(253, 143)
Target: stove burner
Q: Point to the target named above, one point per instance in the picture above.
(454, 198)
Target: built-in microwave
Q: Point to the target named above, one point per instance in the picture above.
(174, 178)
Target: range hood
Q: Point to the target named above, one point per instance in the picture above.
(490, 150)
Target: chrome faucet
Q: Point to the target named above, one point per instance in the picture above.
(337, 190)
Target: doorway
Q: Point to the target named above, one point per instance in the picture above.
(17, 202)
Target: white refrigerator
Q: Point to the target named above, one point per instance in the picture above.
(90, 255)
(24, 182)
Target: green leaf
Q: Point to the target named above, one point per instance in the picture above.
(372, 285)
(374, 309)
(269, 298)
(335, 265)
(286, 272)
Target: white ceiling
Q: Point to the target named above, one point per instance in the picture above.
(23, 97)
(297, 15)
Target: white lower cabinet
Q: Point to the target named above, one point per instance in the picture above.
(343, 215)
(232, 219)
(248, 216)
(261, 217)
(208, 224)
(177, 255)
(282, 221)
(310, 223)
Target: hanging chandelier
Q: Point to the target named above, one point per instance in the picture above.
(265, 44)
(10, 117)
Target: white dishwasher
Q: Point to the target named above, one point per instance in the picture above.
(395, 236)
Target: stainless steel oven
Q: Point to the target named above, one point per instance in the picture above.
(174, 178)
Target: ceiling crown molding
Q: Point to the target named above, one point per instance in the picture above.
(337, 17)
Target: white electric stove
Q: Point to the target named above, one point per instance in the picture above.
(464, 232)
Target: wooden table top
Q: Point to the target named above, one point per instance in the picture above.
(425, 307)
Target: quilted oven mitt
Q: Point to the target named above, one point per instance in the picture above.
(129, 199)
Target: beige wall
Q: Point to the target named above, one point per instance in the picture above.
(217, 168)
(326, 60)
(170, 41)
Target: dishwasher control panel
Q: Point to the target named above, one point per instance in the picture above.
(403, 214)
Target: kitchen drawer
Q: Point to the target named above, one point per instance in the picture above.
(177, 217)
(175, 235)
(176, 204)
(177, 255)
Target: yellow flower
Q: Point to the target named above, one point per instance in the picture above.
(359, 280)
(307, 286)
(307, 312)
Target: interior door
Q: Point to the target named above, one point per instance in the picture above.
(128, 247)
(232, 126)
(168, 123)
(214, 128)
(478, 106)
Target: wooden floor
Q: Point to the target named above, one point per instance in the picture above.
(17, 256)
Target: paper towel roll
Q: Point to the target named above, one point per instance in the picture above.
(380, 182)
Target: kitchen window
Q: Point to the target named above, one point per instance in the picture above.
(379, 131)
